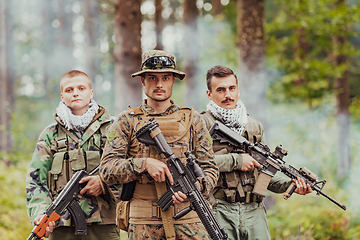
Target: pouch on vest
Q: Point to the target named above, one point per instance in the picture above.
(56, 180)
(122, 215)
(92, 159)
(77, 160)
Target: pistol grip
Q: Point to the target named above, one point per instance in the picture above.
(290, 190)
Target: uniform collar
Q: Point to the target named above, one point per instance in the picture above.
(149, 111)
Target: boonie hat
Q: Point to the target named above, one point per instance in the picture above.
(158, 61)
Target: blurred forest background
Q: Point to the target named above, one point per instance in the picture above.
(298, 64)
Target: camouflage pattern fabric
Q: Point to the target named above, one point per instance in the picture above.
(116, 169)
(242, 221)
(195, 231)
(100, 209)
(158, 67)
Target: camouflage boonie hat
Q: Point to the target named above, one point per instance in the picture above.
(158, 61)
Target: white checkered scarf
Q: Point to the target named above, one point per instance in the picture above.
(235, 119)
(74, 122)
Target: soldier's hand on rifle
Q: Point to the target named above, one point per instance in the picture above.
(93, 187)
(301, 187)
(49, 229)
(158, 170)
(179, 197)
(248, 163)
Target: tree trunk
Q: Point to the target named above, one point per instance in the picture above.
(342, 90)
(251, 45)
(47, 48)
(159, 24)
(6, 78)
(217, 7)
(90, 13)
(91, 25)
(127, 53)
(65, 48)
(191, 54)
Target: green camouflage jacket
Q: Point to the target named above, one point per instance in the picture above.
(115, 168)
(39, 190)
(228, 162)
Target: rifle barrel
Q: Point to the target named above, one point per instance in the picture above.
(332, 199)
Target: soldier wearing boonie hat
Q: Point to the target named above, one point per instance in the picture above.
(158, 61)
(125, 159)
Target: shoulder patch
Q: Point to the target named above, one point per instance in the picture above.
(111, 136)
(209, 138)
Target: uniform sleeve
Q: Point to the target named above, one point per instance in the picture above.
(228, 162)
(115, 168)
(204, 154)
(279, 184)
(38, 196)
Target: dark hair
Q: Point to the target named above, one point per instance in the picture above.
(74, 73)
(218, 71)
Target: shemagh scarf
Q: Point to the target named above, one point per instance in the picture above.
(235, 119)
(77, 123)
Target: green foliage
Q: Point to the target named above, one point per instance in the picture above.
(309, 138)
(14, 223)
(301, 47)
(310, 217)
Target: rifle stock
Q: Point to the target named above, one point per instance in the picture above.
(67, 199)
(270, 163)
(185, 177)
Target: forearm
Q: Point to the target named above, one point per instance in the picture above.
(228, 162)
(279, 184)
(205, 155)
(115, 170)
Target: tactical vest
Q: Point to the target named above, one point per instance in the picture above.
(178, 131)
(67, 162)
(235, 185)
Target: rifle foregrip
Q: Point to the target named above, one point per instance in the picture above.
(290, 190)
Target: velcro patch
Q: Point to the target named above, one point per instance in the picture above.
(111, 136)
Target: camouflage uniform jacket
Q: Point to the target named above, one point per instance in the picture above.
(39, 194)
(228, 161)
(119, 166)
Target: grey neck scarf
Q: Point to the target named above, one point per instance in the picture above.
(236, 118)
(77, 123)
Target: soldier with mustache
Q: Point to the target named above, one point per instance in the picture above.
(125, 159)
(240, 212)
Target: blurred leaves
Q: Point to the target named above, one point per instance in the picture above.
(300, 46)
(14, 223)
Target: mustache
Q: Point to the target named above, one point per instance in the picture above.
(227, 99)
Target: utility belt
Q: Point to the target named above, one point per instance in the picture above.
(233, 196)
(148, 212)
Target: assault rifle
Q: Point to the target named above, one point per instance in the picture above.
(270, 163)
(185, 177)
(67, 199)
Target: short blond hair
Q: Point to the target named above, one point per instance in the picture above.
(74, 73)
